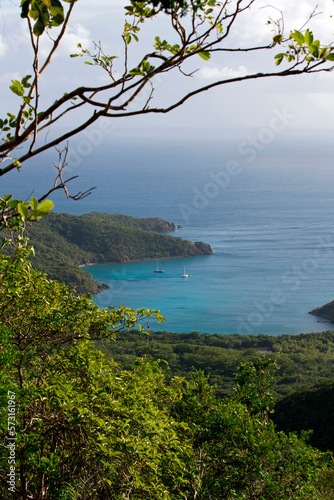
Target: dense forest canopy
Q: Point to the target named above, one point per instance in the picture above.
(303, 360)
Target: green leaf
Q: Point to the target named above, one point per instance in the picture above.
(57, 13)
(13, 203)
(330, 57)
(17, 88)
(324, 52)
(45, 207)
(279, 58)
(298, 37)
(308, 38)
(22, 209)
(25, 80)
(5, 241)
(25, 8)
(17, 164)
(136, 71)
(204, 54)
(33, 217)
(33, 203)
(278, 38)
(174, 49)
(39, 26)
(314, 50)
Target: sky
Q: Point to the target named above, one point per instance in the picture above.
(303, 103)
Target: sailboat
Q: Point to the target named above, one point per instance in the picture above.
(157, 270)
(184, 275)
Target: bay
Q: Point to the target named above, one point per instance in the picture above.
(269, 221)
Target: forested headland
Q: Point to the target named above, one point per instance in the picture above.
(63, 242)
(326, 311)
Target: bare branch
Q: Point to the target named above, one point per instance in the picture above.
(59, 181)
(313, 14)
(59, 37)
(61, 115)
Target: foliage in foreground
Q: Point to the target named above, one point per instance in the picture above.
(84, 428)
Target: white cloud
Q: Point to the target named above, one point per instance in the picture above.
(214, 73)
(327, 77)
(3, 47)
(252, 25)
(8, 77)
(74, 35)
(322, 101)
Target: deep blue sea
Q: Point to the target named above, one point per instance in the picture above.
(268, 214)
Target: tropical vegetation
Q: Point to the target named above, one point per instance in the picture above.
(83, 427)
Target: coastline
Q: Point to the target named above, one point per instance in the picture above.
(142, 260)
(79, 242)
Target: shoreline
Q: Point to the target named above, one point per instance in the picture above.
(142, 260)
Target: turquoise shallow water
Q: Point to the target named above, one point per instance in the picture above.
(228, 292)
(269, 222)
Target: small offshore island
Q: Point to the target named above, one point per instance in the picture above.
(326, 311)
(65, 242)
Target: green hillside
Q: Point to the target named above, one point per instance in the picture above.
(64, 242)
(310, 409)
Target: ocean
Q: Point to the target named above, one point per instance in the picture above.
(266, 210)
